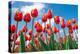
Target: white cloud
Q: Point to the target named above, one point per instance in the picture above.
(14, 10)
(25, 9)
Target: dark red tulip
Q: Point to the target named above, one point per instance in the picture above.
(56, 19)
(18, 16)
(70, 29)
(49, 32)
(75, 26)
(49, 14)
(26, 38)
(73, 21)
(30, 32)
(62, 23)
(68, 23)
(27, 17)
(14, 37)
(39, 28)
(54, 29)
(24, 29)
(44, 18)
(48, 26)
(36, 24)
(12, 28)
(34, 13)
(36, 41)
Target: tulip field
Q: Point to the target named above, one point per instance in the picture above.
(40, 28)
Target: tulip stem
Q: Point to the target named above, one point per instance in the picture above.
(32, 31)
(15, 36)
(45, 33)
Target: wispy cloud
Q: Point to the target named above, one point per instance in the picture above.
(25, 9)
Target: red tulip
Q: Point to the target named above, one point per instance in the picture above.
(28, 46)
(24, 29)
(73, 21)
(56, 19)
(62, 24)
(36, 41)
(39, 28)
(44, 18)
(68, 23)
(30, 32)
(54, 29)
(18, 16)
(17, 43)
(70, 29)
(27, 17)
(12, 28)
(14, 37)
(49, 32)
(36, 24)
(75, 26)
(49, 14)
(47, 26)
(34, 13)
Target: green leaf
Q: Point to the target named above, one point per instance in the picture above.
(44, 46)
(32, 47)
(52, 42)
(22, 43)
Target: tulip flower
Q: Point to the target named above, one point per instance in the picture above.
(68, 23)
(17, 42)
(54, 29)
(34, 14)
(62, 24)
(30, 32)
(12, 28)
(36, 24)
(27, 38)
(73, 21)
(17, 17)
(27, 18)
(56, 19)
(48, 26)
(44, 18)
(49, 32)
(24, 29)
(70, 30)
(49, 14)
(39, 28)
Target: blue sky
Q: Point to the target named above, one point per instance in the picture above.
(63, 10)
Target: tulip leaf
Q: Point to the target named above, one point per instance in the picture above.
(52, 42)
(32, 47)
(44, 46)
(22, 43)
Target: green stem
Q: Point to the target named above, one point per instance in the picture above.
(46, 34)
(32, 31)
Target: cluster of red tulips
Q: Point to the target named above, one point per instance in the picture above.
(43, 38)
